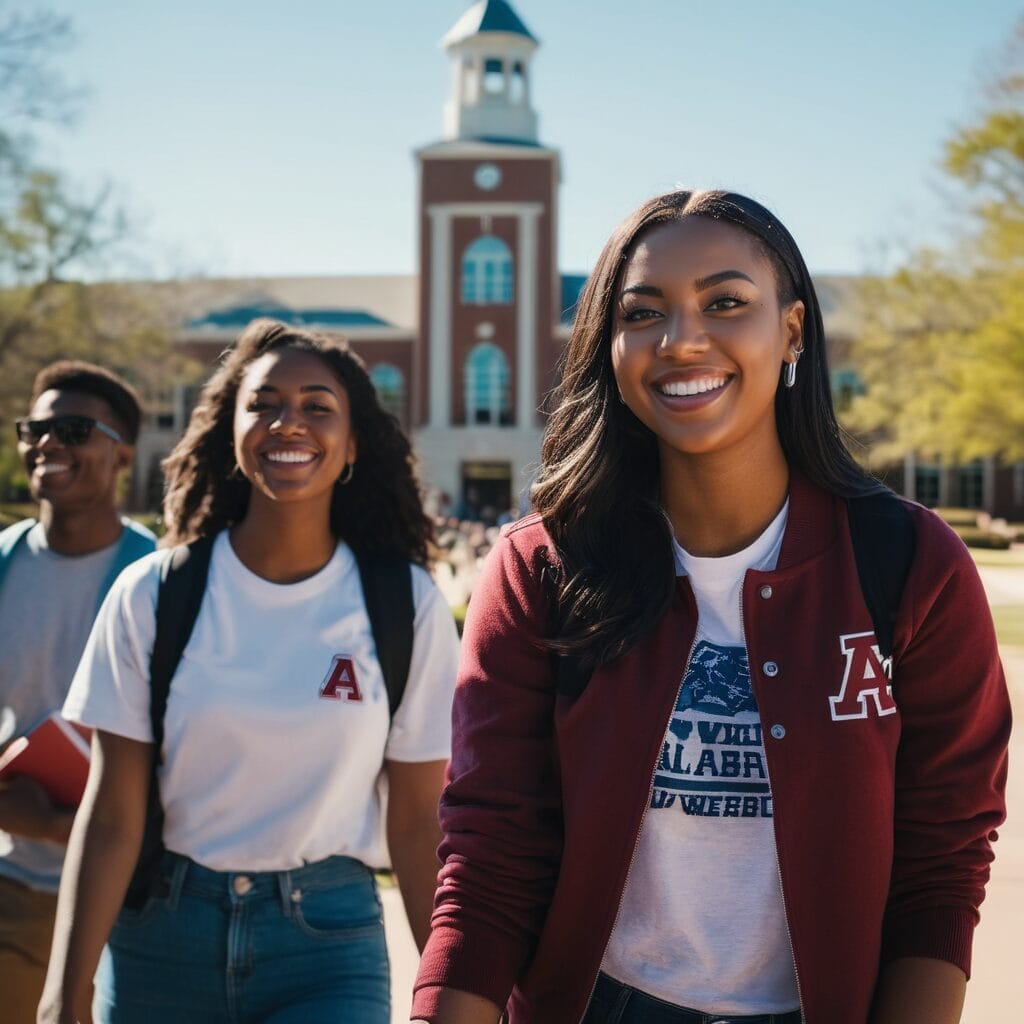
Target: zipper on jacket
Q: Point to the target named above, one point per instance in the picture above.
(775, 837)
(640, 828)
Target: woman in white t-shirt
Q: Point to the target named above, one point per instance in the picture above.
(277, 728)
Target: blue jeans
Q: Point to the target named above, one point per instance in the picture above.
(615, 1003)
(288, 947)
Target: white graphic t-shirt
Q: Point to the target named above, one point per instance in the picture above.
(702, 922)
(277, 720)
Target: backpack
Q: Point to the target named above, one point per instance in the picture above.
(884, 540)
(135, 542)
(387, 592)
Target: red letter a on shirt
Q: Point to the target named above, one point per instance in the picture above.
(340, 683)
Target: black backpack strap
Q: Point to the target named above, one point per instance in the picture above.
(387, 591)
(571, 675)
(182, 585)
(884, 540)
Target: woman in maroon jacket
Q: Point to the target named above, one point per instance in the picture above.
(687, 786)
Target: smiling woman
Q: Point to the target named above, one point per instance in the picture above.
(686, 783)
(293, 434)
(278, 725)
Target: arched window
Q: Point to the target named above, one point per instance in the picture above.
(517, 83)
(487, 272)
(494, 76)
(390, 385)
(487, 377)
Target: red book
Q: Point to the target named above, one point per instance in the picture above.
(56, 754)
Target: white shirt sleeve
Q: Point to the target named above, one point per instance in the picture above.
(110, 689)
(422, 726)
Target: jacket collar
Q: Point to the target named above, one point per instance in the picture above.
(814, 517)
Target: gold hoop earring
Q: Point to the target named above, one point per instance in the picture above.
(347, 473)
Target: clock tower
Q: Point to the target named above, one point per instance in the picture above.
(489, 284)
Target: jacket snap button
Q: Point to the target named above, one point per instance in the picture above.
(778, 732)
(242, 884)
(770, 668)
(766, 591)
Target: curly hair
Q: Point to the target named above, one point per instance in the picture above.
(379, 512)
(598, 489)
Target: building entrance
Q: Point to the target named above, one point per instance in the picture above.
(486, 491)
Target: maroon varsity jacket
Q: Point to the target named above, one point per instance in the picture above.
(884, 806)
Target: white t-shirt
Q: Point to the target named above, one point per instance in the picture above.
(277, 720)
(702, 922)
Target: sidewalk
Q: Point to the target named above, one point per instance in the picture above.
(403, 955)
(995, 984)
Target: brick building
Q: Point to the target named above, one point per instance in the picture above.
(465, 351)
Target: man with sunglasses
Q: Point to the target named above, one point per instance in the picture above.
(76, 441)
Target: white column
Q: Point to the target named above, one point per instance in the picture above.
(526, 320)
(944, 484)
(910, 476)
(440, 317)
(988, 484)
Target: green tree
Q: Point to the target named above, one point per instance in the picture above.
(51, 237)
(941, 352)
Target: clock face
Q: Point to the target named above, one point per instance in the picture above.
(487, 176)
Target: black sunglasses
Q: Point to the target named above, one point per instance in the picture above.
(69, 430)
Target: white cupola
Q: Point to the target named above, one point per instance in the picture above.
(490, 49)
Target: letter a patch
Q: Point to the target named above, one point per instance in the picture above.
(865, 680)
(340, 682)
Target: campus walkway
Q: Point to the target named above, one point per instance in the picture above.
(996, 983)
(995, 987)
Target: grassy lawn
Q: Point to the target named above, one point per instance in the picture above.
(1008, 617)
(987, 556)
(1009, 620)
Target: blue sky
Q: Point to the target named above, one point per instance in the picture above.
(276, 138)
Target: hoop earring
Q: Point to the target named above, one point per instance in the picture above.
(347, 473)
(789, 374)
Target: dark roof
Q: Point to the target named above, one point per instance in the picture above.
(488, 16)
(572, 286)
(500, 140)
(236, 317)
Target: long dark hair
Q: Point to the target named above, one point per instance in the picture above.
(598, 489)
(379, 511)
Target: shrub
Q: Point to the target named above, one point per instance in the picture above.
(975, 537)
(13, 512)
(959, 516)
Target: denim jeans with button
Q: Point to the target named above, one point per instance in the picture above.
(213, 947)
(612, 1002)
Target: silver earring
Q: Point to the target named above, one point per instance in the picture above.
(347, 473)
(789, 375)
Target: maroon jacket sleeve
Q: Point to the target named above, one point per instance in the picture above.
(501, 809)
(952, 761)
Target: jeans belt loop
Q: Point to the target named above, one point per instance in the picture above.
(284, 888)
(176, 882)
